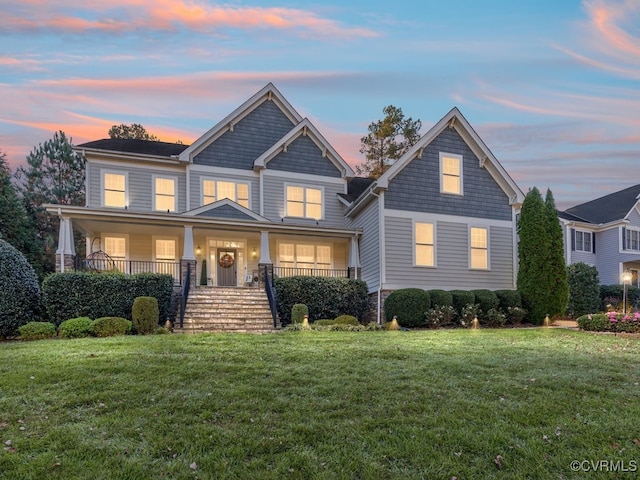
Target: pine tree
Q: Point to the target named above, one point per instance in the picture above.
(533, 246)
(54, 174)
(558, 281)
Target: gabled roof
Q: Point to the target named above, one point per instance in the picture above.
(224, 207)
(129, 145)
(268, 92)
(455, 119)
(607, 209)
(305, 127)
(355, 187)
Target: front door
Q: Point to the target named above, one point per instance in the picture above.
(227, 269)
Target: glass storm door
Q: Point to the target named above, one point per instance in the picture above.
(227, 270)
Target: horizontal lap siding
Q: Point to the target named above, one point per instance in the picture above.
(195, 185)
(274, 201)
(452, 258)
(367, 220)
(609, 256)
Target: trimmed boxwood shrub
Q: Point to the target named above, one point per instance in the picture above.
(324, 296)
(76, 328)
(486, 299)
(96, 295)
(508, 299)
(111, 326)
(346, 320)
(440, 298)
(37, 331)
(19, 291)
(145, 315)
(408, 305)
(298, 312)
(597, 322)
(462, 299)
(324, 322)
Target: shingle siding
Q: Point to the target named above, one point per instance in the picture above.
(226, 211)
(452, 258)
(417, 186)
(304, 156)
(251, 137)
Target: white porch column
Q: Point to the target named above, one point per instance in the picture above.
(187, 251)
(354, 254)
(66, 251)
(265, 256)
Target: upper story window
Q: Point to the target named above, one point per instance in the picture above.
(478, 248)
(114, 193)
(214, 190)
(425, 245)
(582, 241)
(451, 173)
(304, 202)
(631, 239)
(164, 194)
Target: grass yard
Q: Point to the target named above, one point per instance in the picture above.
(506, 404)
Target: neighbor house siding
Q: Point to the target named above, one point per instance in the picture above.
(250, 138)
(368, 221)
(274, 199)
(609, 256)
(417, 186)
(452, 257)
(304, 156)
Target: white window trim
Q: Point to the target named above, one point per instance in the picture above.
(414, 244)
(304, 187)
(104, 235)
(229, 180)
(315, 251)
(488, 230)
(161, 237)
(575, 241)
(175, 191)
(460, 159)
(103, 172)
(623, 239)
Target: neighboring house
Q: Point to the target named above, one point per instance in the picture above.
(605, 233)
(263, 188)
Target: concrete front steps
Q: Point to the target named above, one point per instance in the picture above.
(226, 309)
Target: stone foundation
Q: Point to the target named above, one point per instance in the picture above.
(372, 314)
(69, 262)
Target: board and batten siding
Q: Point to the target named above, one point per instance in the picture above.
(304, 156)
(368, 220)
(275, 198)
(452, 257)
(140, 185)
(195, 186)
(417, 186)
(251, 137)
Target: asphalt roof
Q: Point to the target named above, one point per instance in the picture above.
(609, 208)
(128, 145)
(355, 188)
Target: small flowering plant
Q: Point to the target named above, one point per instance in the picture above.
(621, 322)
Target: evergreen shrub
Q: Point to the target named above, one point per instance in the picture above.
(462, 299)
(76, 328)
(486, 299)
(145, 315)
(298, 312)
(440, 298)
(111, 326)
(346, 320)
(408, 305)
(37, 331)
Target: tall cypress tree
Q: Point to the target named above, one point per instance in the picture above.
(558, 281)
(533, 246)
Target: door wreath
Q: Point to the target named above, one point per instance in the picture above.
(226, 261)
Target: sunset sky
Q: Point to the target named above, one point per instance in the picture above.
(553, 87)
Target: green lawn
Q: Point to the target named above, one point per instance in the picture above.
(521, 403)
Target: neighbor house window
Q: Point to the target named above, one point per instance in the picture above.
(451, 173)
(165, 194)
(303, 259)
(114, 189)
(424, 245)
(479, 248)
(214, 190)
(583, 241)
(304, 202)
(631, 239)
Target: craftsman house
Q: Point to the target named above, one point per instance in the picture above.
(605, 233)
(263, 192)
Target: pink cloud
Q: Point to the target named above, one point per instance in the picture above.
(607, 17)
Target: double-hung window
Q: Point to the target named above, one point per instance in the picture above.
(114, 193)
(424, 245)
(214, 190)
(304, 202)
(164, 194)
(165, 250)
(478, 248)
(451, 173)
(116, 249)
(583, 241)
(631, 239)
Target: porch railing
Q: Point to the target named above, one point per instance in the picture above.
(271, 295)
(312, 272)
(131, 267)
(184, 294)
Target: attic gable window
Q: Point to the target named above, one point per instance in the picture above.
(450, 173)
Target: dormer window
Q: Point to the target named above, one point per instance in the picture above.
(451, 173)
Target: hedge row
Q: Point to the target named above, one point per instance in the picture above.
(84, 294)
(76, 328)
(325, 297)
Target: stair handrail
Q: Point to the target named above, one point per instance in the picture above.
(271, 295)
(184, 296)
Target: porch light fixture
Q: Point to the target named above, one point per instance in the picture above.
(626, 280)
(254, 254)
(198, 250)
